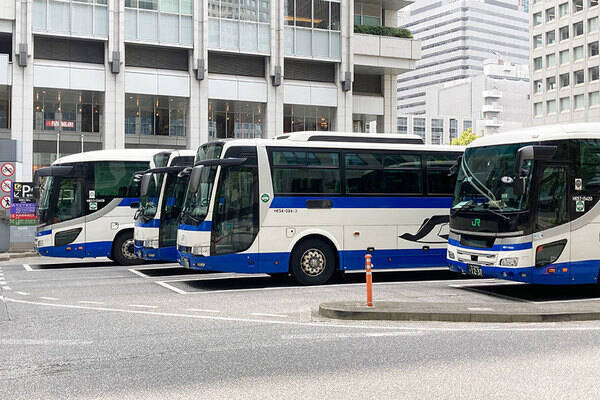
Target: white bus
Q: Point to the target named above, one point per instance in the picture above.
(87, 202)
(526, 206)
(161, 197)
(310, 204)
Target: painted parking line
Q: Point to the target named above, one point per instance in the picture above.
(27, 267)
(91, 302)
(202, 310)
(49, 298)
(6, 288)
(269, 315)
(22, 293)
(142, 306)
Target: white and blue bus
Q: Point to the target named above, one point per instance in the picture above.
(162, 190)
(310, 204)
(87, 202)
(526, 206)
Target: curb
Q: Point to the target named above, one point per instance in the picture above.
(392, 311)
(10, 256)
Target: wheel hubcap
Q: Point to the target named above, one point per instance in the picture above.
(313, 262)
(128, 249)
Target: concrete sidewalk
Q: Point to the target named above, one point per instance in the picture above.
(24, 254)
(464, 312)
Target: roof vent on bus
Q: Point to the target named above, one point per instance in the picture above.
(324, 136)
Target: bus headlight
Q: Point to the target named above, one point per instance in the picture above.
(451, 255)
(509, 262)
(201, 251)
(153, 244)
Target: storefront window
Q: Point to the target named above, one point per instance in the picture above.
(297, 118)
(235, 119)
(4, 107)
(78, 111)
(364, 123)
(155, 115)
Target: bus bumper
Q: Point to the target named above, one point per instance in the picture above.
(538, 276)
(162, 253)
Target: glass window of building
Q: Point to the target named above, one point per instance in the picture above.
(551, 106)
(537, 63)
(551, 37)
(467, 124)
(550, 60)
(592, 24)
(159, 21)
(550, 14)
(579, 102)
(453, 129)
(402, 125)
(155, 115)
(367, 13)
(565, 104)
(235, 119)
(537, 18)
(564, 57)
(593, 73)
(5, 94)
(298, 118)
(537, 109)
(537, 86)
(594, 99)
(578, 53)
(563, 10)
(578, 28)
(577, 6)
(366, 123)
(86, 18)
(563, 33)
(419, 127)
(537, 41)
(593, 49)
(592, 3)
(551, 83)
(578, 77)
(563, 80)
(437, 131)
(78, 111)
(239, 25)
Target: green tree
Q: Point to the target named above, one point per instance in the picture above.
(466, 137)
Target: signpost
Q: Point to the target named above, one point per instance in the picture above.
(23, 207)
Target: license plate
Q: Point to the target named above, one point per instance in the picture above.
(186, 263)
(475, 270)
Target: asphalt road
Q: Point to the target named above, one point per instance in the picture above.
(94, 330)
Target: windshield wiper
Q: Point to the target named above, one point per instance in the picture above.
(184, 213)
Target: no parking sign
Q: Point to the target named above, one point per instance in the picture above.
(7, 169)
(5, 202)
(6, 185)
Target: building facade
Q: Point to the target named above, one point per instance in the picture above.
(84, 75)
(494, 100)
(456, 37)
(565, 59)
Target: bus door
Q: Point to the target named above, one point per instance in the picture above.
(69, 216)
(552, 231)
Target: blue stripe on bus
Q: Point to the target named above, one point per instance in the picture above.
(168, 253)
(43, 233)
(155, 223)
(496, 247)
(204, 226)
(126, 202)
(365, 202)
(90, 249)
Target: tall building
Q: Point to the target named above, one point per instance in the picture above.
(83, 75)
(565, 61)
(492, 101)
(456, 37)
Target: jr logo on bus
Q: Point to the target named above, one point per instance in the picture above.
(476, 222)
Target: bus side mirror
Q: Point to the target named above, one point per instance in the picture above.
(453, 170)
(195, 179)
(534, 153)
(145, 184)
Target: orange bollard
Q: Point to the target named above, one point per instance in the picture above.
(369, 280)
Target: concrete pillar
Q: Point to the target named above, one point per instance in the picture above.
(274, 111)
(390, 103)
(114, 95)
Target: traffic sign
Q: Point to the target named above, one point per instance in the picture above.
(6, 185)
(7, 169)
(5, 202)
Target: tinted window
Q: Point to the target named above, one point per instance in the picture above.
(305, 172)
(113, 178)
(438, 171)
(589, 165)
(552, 198)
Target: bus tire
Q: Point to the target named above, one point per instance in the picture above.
(122, 250)
(313, 262)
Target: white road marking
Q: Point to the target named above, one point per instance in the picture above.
(480, 309)
(268, 315)
(202, 310)
(49, 298)
(6, 287)
(142, 306)
(90, 302)
(504, 328)
(43, 342)
(23, 293)
(173, 288)
(27, 267)
(565, 301)
(135, 271)
(162, 266)
(358, 335)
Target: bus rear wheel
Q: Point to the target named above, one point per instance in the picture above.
(123, 250)
(313, 262)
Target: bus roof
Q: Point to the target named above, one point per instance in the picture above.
(181, 153)
(341, 145)
(542, 133)
(111, 155)
(353, 137)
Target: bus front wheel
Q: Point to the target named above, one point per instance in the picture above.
(123, 250)
(313, 262)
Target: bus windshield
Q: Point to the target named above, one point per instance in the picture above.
(195, 206)
(480, 184)
(61, 199)
(149, 200)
